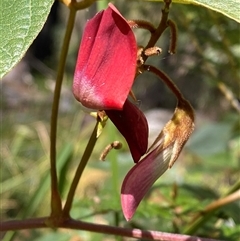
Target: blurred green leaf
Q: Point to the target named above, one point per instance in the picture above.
(210, 139)
(44, 186)
(200, 192)
(230, 211)
(21, 21)
(60, 236)
(229, 8)
(233, 234)
(67, 156)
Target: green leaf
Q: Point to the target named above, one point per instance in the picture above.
(20, 23)
(60, 236)
(210, 139)
(230, 8)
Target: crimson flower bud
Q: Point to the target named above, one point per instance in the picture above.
(106, 62)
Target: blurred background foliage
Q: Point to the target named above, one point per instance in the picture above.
(205, 68)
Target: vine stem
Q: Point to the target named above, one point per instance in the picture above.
(203, 216)
(161, 27)
(228, 94)
(56, 206)
(99, 228)
(222, 202)
(79, 171)
(155, 33)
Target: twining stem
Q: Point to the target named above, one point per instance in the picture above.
(161, 27)
(222, 202)
(203, 216)
(56, 206)
(79, 171)
(155, 33)
(228, 94)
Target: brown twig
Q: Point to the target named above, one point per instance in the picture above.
(142, 24)
(204, 215)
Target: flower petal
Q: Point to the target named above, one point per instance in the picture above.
(106, 63)
(140, 179)
(167, 148)
(132, 124)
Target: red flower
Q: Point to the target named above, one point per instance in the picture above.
(103, 78)
(105, 72)
(106, 63)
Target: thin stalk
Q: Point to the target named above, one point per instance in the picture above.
(223, 201)
(161, 27)
(56, 206)
(229, 95)
(79, 171)
(209, 211)
(230, 196)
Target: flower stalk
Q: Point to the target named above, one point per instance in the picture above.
(84, 160)
(56, 206)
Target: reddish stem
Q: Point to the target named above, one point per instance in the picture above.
(98, 228)
(160, 29)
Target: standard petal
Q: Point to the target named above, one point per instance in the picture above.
(132, 124)
(141, 178)
(106, 63)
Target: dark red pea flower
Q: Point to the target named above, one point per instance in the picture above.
(106, 63)
(133, 125)
(105, 72)
(103, 78)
